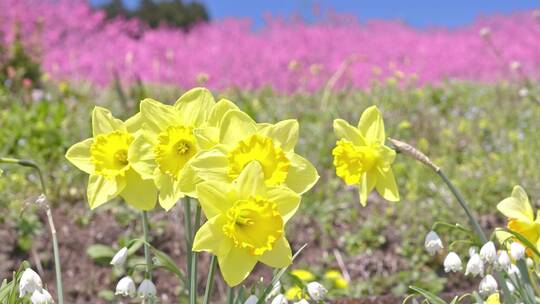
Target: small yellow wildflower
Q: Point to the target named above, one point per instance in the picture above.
(304, 275)
(242, 141)
(362, 159)
(246, 223)
(295, 293)
(493, 299)
(108, 158)
(337, 279)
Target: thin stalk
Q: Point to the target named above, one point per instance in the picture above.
(148, 260)
(187, 235)
(193, 267)
(230, 295)
(50, 220)
(210, 280)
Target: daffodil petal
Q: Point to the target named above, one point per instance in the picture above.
(207, 137)
(157, 116)
(210, 237)
(386, 185)
(343, 129)
(101, 190)
(284, 133)
(367, 183)
(214, 197)
(188, 180)
(141, 155)
(219, 110)
(134, 123)
(236, 266)
(212, 165)
(140, 194)
(250, 182)
(287, 201)
(280, 256)
(169, 190)
(235, 126)
(517, 206)
(104, 122)
(79, 155)
(195, 106)
(371, 125)
(302, 175)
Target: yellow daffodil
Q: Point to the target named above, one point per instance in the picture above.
(108, 158)
(493, 299)
(241, 141)
(520, 214)
(246, 220)
(171, 136)
(362, 159)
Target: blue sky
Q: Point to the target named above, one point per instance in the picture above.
(419, 13)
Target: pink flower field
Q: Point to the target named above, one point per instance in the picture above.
(75, 41)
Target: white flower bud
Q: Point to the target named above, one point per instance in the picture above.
(475, 266)
(452, 262)
(517, 251)
(29, 282)
(303, 301)
(147, 289)
(276, 289)
(125, 287)
(252, 299)
(510, 286)
(280, 299)
(316, 291)
(503, 261)
(513, 272)
(41, 297)
(473, 250)
(433, 243)
(488, 253)
(120, 257)
(488, 285)
(530, 262)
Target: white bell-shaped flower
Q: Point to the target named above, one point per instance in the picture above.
(488, 253)
(433, 243)
(488, 285)
(503, 261)
(125, 287)
(473, 250)
(147, 289)
(316, 291)
(276, 289)
(41, 297)
(29, 282)
(517, 251)
(280, 299)
(511, 287)
(513, 272)
(452, 262)
(475, 266)
(120, 257)
(252, 299)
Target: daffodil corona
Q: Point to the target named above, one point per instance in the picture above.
(246, 223)
(361, 157)
(108, 157)
(242, 141)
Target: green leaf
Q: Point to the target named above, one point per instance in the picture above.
(431, 297)
(101, 254)
(522, 239)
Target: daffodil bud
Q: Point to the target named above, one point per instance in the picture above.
(125, 287)
(488, 253)
(147, 289)
(29, 282)
(475, 266)
(120, 257)
(280, 299)
(503, 261)
(452, 262)
(41, 297)
(316, 291)
(517, 251)
(488, 285)
(252, 299)
(433, 243)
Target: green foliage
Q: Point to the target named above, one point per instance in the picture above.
(18, 69)
(154, 13)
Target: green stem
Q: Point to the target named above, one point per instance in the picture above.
(193, 267)
(210, 280)
(230, 295)
(148, 260)
(187, 235)
(50, 220)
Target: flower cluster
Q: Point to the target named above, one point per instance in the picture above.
(30, 284)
